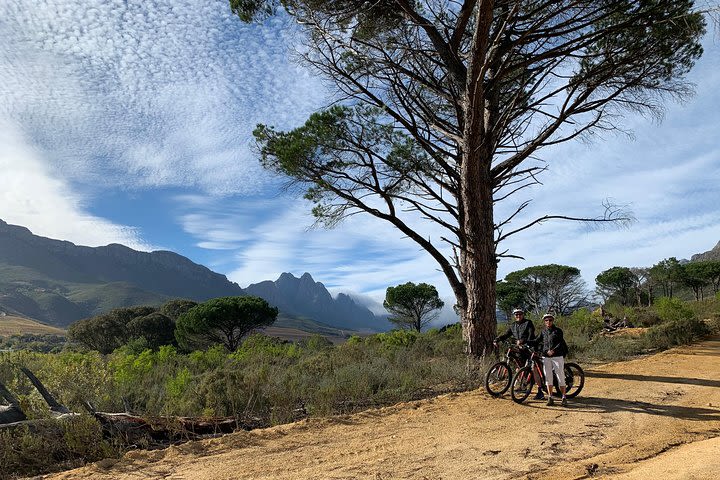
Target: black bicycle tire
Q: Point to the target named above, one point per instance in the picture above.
(507, 384)
(574, 388)
(524, 374)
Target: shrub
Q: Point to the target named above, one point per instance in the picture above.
(52, 446)
(643, 317)
(672, 309)
(676, 332)
(397, 338)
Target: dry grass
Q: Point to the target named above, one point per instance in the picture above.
(10, 325)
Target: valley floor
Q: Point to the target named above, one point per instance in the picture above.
(656, 417)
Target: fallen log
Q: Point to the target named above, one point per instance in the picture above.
(130, 428)
(136, 429)
(12, 412)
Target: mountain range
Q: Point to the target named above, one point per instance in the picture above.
(58, 282)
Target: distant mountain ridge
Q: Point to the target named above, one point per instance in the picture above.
(305, 297)
(713, 254)
(58, 282)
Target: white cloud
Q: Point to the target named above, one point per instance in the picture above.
(142, 94)
(31, 197)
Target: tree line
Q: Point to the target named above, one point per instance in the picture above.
(182, 323)
(561, 289)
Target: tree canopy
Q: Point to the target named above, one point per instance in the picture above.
(444, 107)
(412, 306)
(556, 288)
(223, 321)
(618, 282)
(113, 329)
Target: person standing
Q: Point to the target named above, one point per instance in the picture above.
(523, 331)
(553, 348)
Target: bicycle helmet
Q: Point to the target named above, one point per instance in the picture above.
(518, 310)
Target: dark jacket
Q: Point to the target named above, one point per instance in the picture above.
(552, 339)
(523, 331)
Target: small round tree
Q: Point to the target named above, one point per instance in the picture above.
(412, 306)
(157, 330)
(224, 321)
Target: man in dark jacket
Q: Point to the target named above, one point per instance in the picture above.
(523, 331)
(553, 348)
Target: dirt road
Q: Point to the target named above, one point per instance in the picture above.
(653, 418)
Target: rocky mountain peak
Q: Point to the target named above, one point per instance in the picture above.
(713, 254)
(307, 298)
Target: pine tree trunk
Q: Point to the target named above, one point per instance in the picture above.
(478, 264)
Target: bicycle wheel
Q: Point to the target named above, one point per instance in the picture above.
(574, 379)
(498, 378)
(522, 384)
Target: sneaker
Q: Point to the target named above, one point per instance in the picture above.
(563, 402)
(539, 396)
(550, 402)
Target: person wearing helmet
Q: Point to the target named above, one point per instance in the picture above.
(553, 348)
(523, 331)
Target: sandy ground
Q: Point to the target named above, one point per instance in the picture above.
(653, 418)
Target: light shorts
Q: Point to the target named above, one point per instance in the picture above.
(557, 364)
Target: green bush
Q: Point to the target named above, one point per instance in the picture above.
(680, 331)
(643, 317)
(397, 338)
(672, 309)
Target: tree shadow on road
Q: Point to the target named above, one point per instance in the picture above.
(704, 382)
(610, 405)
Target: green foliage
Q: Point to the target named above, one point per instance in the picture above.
(260, 345)
(156, 329)
(668, 274)
(103, 333)
(553, 287)
(679, 331)
(584, 322)
(396, 338)
(42, 343)
(412, 306)
(223, 321)
(510, 295)
(616, 281)
(672, 309)
(174, 308)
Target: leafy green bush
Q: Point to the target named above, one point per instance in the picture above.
(680, 331)
(582, 322)
(672, 309)
(643, 317)
(396, 338)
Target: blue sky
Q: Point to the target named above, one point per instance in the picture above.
(130, 121)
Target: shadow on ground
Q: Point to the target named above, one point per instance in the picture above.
(655, 378)
(610, 405)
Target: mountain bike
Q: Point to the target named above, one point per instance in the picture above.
(499, 375)
(524, 379)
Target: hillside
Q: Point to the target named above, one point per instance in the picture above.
(10, 325)
(650, 418)
(58, 282)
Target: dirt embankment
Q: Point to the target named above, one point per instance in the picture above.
(653, 418)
